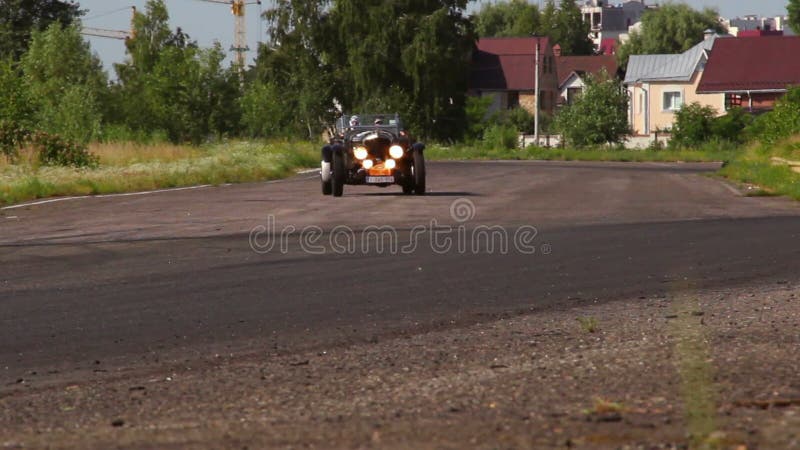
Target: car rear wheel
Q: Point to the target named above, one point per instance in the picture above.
(418, 174)
(338, 176)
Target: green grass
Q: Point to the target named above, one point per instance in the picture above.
(558, 154)
(756, 166)
(126, 168)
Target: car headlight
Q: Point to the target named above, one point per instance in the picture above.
(390, 164)
(360, 153)
(367, 163)
(396, 151)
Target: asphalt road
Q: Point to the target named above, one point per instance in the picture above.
(100, 285)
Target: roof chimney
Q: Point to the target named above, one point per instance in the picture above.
(557, 50)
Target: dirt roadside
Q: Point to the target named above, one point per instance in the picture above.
(718, 369)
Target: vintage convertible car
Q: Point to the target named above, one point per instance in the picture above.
(372, 149)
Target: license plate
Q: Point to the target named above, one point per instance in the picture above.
(380, 179)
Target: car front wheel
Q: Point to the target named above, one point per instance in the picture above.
(418, 172)
(325, 178)
(338, 175)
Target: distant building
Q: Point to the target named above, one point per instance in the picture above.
(752, 72)
(607, 21)
(505, 70)
(748, 25)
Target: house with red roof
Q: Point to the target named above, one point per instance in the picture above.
(752, 72)
(572, 72)
(505, 70)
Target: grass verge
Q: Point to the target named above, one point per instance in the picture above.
(558, 154)
(132, 167)
(756, 166)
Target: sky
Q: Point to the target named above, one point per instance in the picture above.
(207, 22)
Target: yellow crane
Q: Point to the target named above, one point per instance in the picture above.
(238, 9)
(111, 34)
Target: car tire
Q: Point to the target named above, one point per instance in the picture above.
(338, 176)
(419, 172)
(408, 188)
(327, 186)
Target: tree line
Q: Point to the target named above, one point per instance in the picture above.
(406, 56)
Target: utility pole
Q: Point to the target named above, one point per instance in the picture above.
(536, 87)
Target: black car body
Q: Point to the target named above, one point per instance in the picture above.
(374, 150)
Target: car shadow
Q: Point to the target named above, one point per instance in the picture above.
(427, 194)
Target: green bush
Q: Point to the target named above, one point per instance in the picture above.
(697, 125)
(12, 138)
(780, 123)
(522, 120)
(501, 137)
(693, 125)
(477, 116)
(731, 126)
(598, 117)
(75, 117)
(54, 150)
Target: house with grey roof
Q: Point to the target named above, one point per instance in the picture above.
(659, 85)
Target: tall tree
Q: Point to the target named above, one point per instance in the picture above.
(16, 105)
(672, 28)
(572, 32)
(298, 60)
(793, 8)
(66, 82)
(432, 39)
(20, 18)
(516, 18)
(168, 84)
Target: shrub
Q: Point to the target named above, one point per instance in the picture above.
(522, 120)
(693, 125)
(53, 150)
(501, 137)
(730, 127)
(780, 123)
(75, 117)
(12, 138)
(598, 117)
(477, 115)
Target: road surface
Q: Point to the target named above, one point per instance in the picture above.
(101, 285)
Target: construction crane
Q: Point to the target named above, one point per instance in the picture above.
(238, 9)
(102, 32)
(111, 34)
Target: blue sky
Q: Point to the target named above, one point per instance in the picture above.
(208, 22)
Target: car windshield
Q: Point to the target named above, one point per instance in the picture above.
(361, 122)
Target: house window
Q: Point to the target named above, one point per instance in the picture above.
(733, 101)
(641, 102)
(513, 99)
(673, 101)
